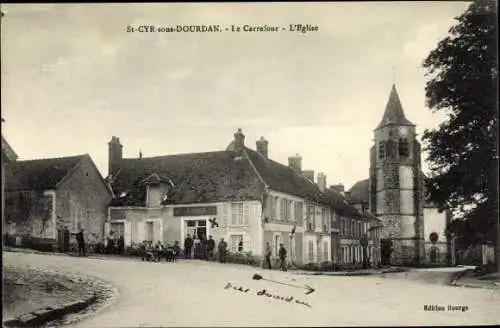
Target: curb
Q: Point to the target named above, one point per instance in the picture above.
(454, 281)
(344, 274)
(40, 317)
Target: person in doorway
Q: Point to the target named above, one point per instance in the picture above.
(282, 255)
(197, 247)
(81, 242)
(121, 244)
(203, 241)
(222, 251)
(268, 253)
(210, 248)
(188, 245)
(240, 245)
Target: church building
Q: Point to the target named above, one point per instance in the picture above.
(413, 230)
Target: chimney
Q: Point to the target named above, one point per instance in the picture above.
(295, 163)
(239, 141)
(115, 155)
(140, 154)
(262, 146)
(338, 188)
(321, 181)
(309, 174)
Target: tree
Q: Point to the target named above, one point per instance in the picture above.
(463, 151)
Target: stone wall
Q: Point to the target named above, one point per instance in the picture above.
(29, 213)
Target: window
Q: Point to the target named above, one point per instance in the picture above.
(403, 148)
(289, 210)
(298, 212)
(236, 243)
(310, 218)
(237, 213)
(274, 214)
(282, 209)
(325, 251)
(381, 150)
(118, 229)
(311, 251)
(270, 201)
(149, 231)
(277, 242)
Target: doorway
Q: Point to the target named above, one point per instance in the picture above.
(386, 250)
(195, 228)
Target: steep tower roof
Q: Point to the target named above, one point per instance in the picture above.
(394, 113)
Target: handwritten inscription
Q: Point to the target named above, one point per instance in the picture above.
(265, 293)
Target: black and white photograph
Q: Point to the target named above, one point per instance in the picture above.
(260, 164)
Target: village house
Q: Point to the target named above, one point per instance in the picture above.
(46, 199)
(350, 225)
(238, 194)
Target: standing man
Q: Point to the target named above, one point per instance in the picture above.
(269, 252)
(222, 250)
(210, 248)
(282, 255)
(81, 242)
(188, 245)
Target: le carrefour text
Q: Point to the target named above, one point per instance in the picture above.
(297, 28)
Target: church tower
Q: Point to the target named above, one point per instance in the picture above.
(396, 184)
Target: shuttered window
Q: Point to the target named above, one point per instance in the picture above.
(246, 213)
(298, 212)
(271, 206)
(236, 243)
(276, 209)
(310, 250)
(237, 214)
(225, 214)
(325, 251)
(283, 207)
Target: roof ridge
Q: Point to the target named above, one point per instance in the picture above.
(173, 155)
(52, 158)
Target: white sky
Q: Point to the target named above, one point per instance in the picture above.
(72, 78)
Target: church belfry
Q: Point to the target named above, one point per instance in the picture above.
(396, 184)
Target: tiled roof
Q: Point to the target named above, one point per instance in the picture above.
(217, 176)
(394, 113)
(197, 177)
(359, 192)
(339, 202)
(38, 174)
(281, 178)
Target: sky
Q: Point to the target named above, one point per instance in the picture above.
(73, 77)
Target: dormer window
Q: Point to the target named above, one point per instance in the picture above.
(157, 189)
(404, 151)
(381, 150)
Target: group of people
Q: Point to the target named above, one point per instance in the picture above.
(282, 253)
(204, 249)
(201, 249)
(156, 253)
